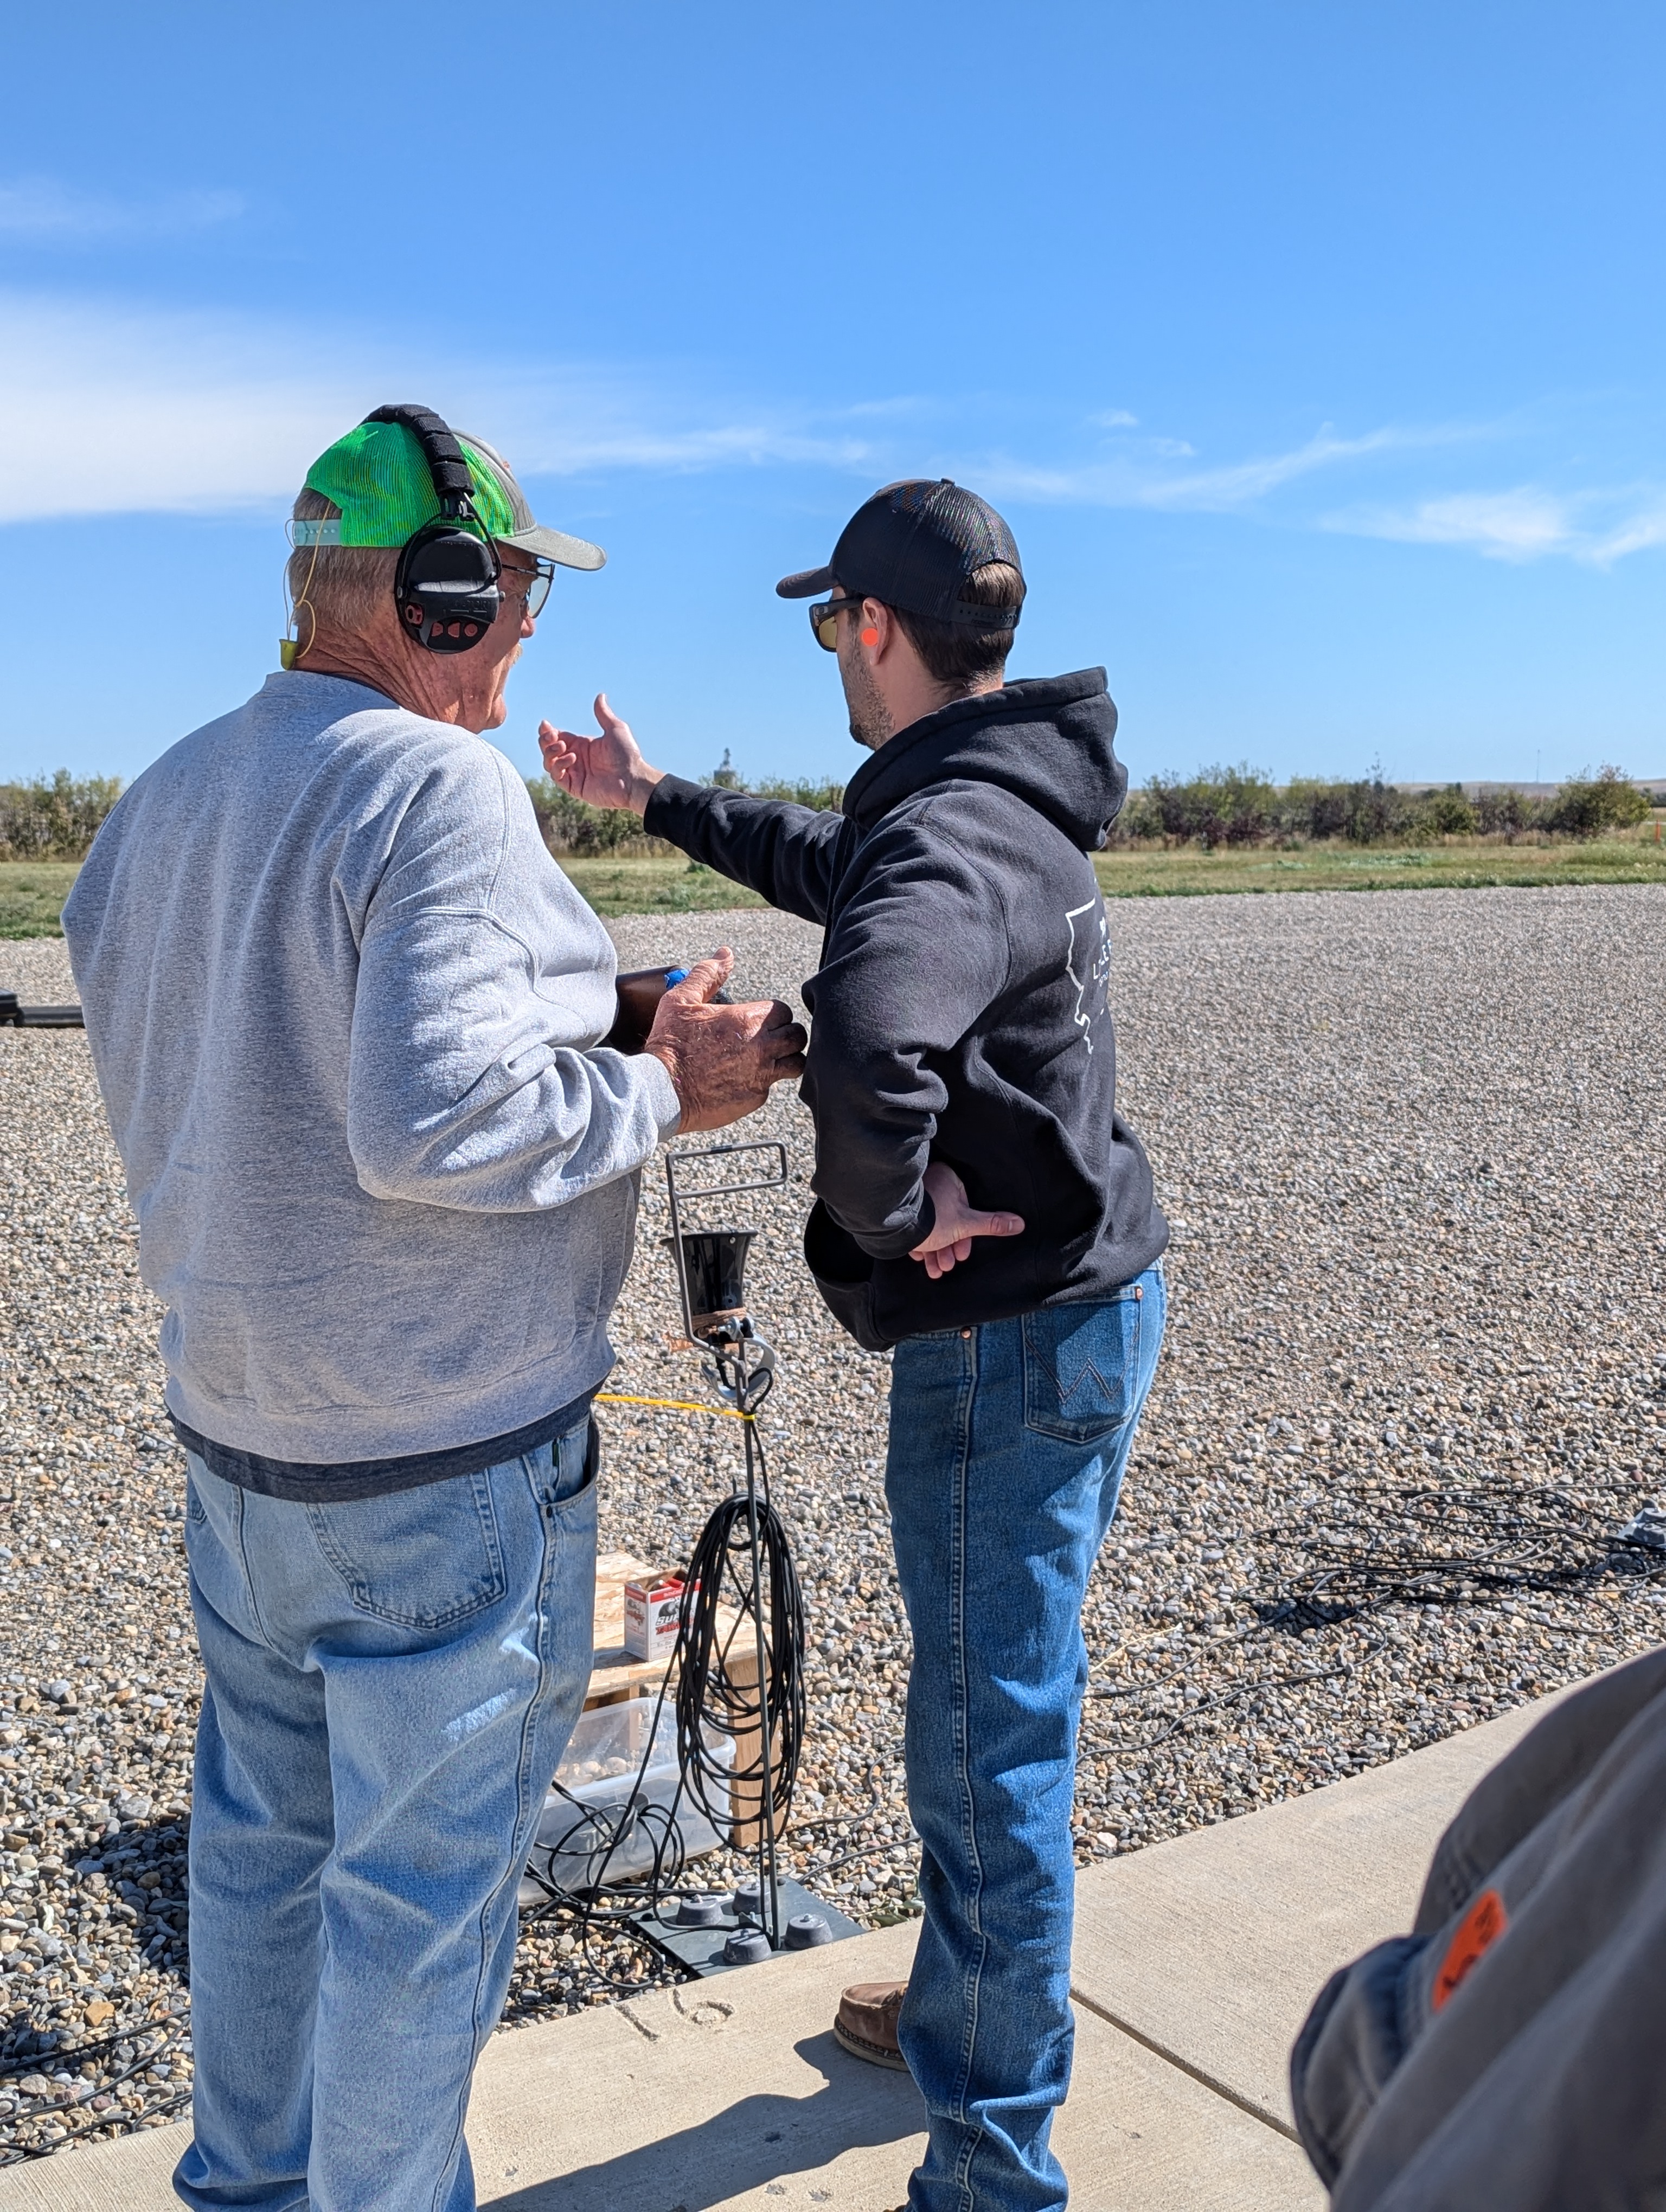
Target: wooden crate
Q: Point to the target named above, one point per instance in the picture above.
(614, 1674)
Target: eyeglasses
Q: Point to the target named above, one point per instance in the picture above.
(824, 622)
(531, 584)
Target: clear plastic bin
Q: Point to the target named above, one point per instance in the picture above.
(591, 1801)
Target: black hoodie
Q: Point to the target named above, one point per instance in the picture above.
(959, 1013)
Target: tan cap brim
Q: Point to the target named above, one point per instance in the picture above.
(557, 545)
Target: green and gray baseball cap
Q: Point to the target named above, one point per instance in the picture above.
(379, 478)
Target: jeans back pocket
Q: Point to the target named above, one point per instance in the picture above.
(1081, 1367)
(419, 1559)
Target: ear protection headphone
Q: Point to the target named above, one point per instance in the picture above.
(446, 585)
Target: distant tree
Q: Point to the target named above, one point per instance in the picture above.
(569, 826)
(55, 818)
(823, 798)
(1366, 811)
(1509, 813)
(1446, 813)
(1314, 807)
(1376, 812)
(1587, 805)
(1216, 807)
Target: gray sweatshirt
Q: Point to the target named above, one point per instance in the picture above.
(344, 1011)
(1508, 2055)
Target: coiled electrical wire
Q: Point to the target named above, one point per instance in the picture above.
(743, 1566)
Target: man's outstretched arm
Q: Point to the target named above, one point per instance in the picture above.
(782, 851)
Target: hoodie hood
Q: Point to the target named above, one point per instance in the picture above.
(1050, 740)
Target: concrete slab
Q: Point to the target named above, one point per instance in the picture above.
(734, 2094)
(734, 2097)
(1196, 1962)
(1210, 1949)
(130, 2175)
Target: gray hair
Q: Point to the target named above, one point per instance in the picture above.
(340, 586)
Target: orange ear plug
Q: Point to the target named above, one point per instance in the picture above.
(870, 637)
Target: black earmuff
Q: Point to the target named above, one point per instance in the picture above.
(446, 585)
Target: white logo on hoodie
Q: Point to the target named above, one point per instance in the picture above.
(1087, 963)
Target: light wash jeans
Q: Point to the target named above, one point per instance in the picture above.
(1009, 1445)
(391, 1684)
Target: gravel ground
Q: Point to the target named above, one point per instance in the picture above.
(1410, 1145)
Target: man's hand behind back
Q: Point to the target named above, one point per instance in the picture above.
(957, 1221)
(723, 1059)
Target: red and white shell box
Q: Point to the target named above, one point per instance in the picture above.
(652, 1610)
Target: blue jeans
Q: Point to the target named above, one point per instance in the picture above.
(1008, 1444)
(391, 1684)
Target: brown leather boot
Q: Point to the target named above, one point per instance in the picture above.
(866, 2022)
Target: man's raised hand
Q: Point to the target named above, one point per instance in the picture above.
(721, 1059)
(957, 1223)
(604, 771)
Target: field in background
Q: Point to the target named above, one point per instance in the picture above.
(649, 885)
(32, 892)
(1448, 864)
(615, 885)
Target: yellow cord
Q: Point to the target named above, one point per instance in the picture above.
(291, 649)
(672, 1406)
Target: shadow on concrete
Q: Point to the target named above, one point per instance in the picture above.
(753, 2142)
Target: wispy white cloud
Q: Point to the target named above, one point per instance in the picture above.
(119, 408)
(1134, 479)
(1526, 523)
(40, 211)
(123, 410)
(1118, 418)
(1522, 525)
(1644, 528)
(1239, 483)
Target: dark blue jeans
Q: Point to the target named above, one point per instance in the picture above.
(1008, 1448)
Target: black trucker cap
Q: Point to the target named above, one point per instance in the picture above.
(912, 545)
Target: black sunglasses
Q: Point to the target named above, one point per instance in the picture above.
(824, 622)
(531, 584)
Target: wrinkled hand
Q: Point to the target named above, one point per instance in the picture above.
(957, 1223)
(604, 771)
(723, 1059)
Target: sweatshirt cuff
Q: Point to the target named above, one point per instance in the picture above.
(665, 1106)
(898, 1243)
(670, 804)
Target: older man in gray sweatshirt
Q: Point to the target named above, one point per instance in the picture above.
(347, 1017)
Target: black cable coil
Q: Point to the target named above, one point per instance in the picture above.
(741, 1554)
(710, 1703)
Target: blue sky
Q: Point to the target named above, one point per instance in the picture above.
(1316, 354)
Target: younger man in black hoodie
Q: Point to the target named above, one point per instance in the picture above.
(981, 1207)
